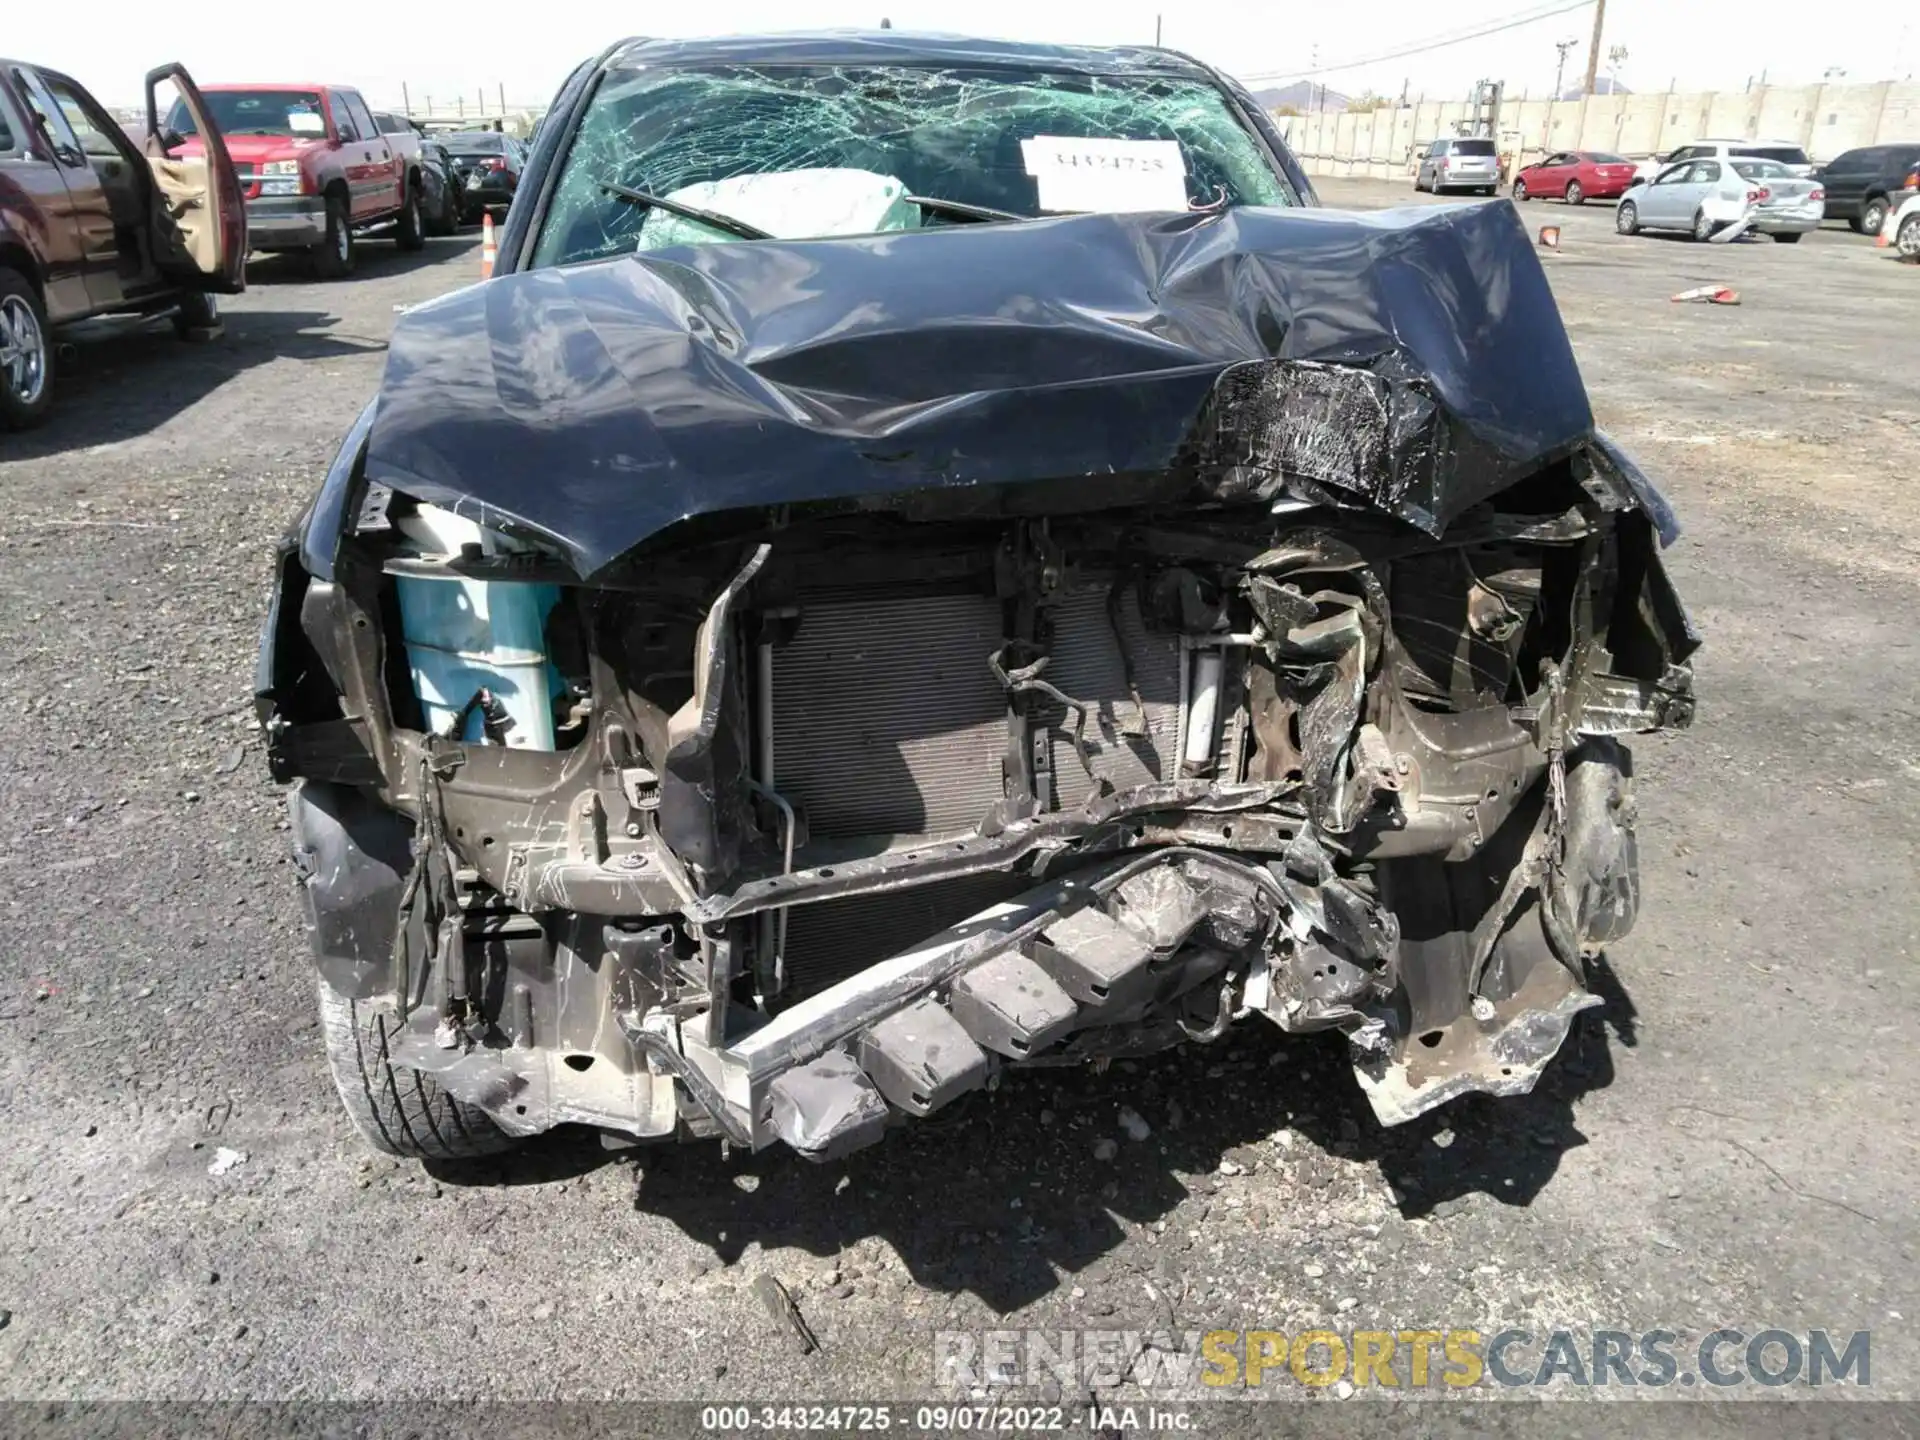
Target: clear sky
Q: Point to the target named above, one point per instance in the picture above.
(440, 47)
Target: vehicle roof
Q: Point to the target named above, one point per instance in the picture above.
(902, 47)
(1746, 140)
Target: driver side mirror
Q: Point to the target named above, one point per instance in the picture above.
(170, 139)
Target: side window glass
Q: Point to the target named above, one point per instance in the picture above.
(93, 140)
(343, 118)
(53, 124)
(9, 141)
(1706, 172)
(361, 119)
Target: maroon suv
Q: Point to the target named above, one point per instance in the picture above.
(90, 225)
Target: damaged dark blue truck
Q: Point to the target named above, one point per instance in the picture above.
(932, 556)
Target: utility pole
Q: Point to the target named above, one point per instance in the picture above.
(1560, 70)
(1156, 32)
(1593, 51)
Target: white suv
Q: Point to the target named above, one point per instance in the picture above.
(1785, 151)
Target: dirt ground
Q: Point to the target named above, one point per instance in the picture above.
(1731, 1142)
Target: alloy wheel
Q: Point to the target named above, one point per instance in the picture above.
(23, 350)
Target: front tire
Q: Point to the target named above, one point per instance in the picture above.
(197, 318)
(1520, 191)
(1626, 219)
(1872, 216)
(1575, 195)
(1907, 242)
(1703, 227)
(26, 355)
(446, 217)
(333, 256)
(397, 1109)
(410, 233)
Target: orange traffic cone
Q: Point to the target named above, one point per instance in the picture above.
(489, 252)
(1885, 237)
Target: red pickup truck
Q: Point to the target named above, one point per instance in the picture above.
(316, 169)
(95, 221)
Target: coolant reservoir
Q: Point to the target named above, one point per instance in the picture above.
(464, 636)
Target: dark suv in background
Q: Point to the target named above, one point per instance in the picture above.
(1863, 185)
(487, 165)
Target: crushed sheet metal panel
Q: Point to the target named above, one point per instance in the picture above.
(598, 404)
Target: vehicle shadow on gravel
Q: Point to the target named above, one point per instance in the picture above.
(120, 380)
(372, 259)
(1038, 1178)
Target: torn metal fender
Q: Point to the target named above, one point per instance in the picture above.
(1503, 1054)
(1493, 1028)
(352, 855)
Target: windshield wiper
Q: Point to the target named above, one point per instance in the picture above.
(686, 212)
(960, 210)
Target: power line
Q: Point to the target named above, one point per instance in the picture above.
(1438, 42)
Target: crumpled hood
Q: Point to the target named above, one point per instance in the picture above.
(1411, 359)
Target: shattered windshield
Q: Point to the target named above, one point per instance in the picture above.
(1024, 142)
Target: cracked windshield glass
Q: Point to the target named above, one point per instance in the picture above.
(801, 152)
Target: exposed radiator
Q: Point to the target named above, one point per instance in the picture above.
(1088, 664)
(887, 721)
(830, 941)
(886, 718)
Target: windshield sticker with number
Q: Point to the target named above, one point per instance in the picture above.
(1106, 175)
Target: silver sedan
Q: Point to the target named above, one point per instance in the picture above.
(1708, 197)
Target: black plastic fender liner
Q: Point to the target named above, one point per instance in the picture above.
(353, 855)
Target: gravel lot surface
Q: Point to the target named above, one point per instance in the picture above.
(1732, 1141)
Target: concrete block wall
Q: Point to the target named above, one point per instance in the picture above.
(1824, 119)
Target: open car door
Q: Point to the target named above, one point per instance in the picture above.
(201, 234)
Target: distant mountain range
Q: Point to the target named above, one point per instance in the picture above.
(1302, 95)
